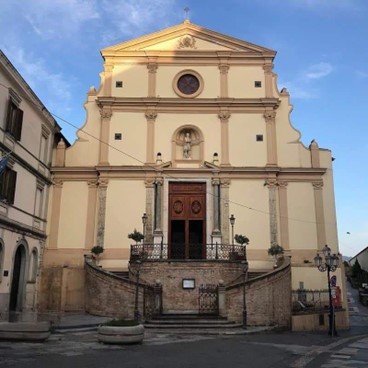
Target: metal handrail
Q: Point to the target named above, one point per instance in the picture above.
(162, 251)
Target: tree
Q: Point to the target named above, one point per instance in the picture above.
(241, 239)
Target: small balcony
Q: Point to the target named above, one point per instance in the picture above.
(168, 252)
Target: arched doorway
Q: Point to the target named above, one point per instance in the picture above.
(17, 285)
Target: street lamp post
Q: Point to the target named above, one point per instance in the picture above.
(244, 265)
(329, 264)
(232, 222)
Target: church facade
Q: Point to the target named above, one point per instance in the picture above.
(189, 128)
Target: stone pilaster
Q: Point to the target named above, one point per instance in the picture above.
(106, 114)
(224, 210)
(283, 215)
(314, 151)
(320, 216)
(101, 215)
(55, 213)
(268, 79)
(152, 71)
(91, 214)
(216, 206)
(224, 116)
(150, 144)
(150, 198)
(224, 90)
(272, 188)
(270, 117)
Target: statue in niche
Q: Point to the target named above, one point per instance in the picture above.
(187, 147)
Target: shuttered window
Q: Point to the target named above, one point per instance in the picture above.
(14, 120)
(8, 181)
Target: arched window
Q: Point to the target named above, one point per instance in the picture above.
(2, 255)
(33, 265)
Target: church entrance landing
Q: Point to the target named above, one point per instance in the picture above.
(187, 221)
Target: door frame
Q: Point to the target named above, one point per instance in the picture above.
(185, 194)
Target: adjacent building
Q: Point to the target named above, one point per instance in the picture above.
(27, 132)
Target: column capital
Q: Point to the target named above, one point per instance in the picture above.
(270, 116)
(108, 67)
(268, 68)
(225, 182)
(151, 115)
(92, 183)
(58, 183)
(215, 181)
(103, 183)
(159, 181)
(224, 116)
(317, 185)
(224, 68)
(152, 67)
(282, 184)
(149, 182)
(271, 183)
(106, 112)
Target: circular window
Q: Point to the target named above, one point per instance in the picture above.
(188, 83)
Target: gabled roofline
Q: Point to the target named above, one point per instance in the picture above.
(186, 27)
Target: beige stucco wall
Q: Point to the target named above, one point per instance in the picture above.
(73, 211)
(241, 81)
(301, 212)
(132, 86)
(244, 149)
(125, 205)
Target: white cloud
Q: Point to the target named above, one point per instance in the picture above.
(362, 74)
(58, 18)
(318, 71)
(137, 16)
(56, 89)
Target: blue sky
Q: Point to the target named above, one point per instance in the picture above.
(322, 59)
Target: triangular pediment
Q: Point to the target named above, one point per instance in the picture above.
(186, 37)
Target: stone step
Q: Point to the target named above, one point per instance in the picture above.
(192, 326)
(202, 322)
(186, 316)
(123, 274)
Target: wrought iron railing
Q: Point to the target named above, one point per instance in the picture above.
(158, 252)
(310, 300)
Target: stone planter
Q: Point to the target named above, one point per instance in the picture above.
(24, 331)
(121, 334)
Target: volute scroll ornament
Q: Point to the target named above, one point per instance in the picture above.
(149, 182)
(282, 184)
(224, 68)
(225, 182)
(152, 67)
(268, 68)
(57, 183)
(271, 183)
(215, 181)
(103, 182)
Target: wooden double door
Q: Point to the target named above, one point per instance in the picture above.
(187, 221)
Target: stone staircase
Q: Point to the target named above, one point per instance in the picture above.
(191, 323)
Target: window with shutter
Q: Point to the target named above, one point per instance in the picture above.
(8, 181)
(14, 120)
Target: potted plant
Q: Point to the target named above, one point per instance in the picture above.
(97, 250)
(242, 240)
(136, 236)
(121, 331)
(275, 251)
